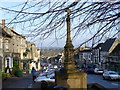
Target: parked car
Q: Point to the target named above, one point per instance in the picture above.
(83, 70)
(48, 78)
(55, 66)
(106, 70)
(98, 71)
(43, 74)
(90, 70)
(87, 70)
(111, 75)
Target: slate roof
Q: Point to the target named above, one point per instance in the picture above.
(17, 34)
(106, 45)
(4, 33)
(116, 49)
(86, 50)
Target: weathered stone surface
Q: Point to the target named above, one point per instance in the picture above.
(71, 80)
(69, 76)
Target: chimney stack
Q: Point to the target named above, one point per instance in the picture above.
(3, 22)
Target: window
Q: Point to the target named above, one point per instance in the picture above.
(7, 61)
(6, 44)
(0, 42)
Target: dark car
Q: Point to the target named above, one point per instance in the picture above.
(90, 70)
(83, 70)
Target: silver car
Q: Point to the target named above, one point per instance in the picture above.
(48, 78)
(98, 71)
(111, 75)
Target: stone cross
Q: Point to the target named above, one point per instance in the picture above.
(68, 48)
(69, 76)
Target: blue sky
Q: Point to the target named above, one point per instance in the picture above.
(51, 40)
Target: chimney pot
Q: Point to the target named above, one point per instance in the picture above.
(3, 22)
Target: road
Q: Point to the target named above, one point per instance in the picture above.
(26, 82)
(93, 78)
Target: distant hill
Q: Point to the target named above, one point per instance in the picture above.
(51, 51)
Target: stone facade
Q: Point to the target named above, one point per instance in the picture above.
(13, 46)
(5, 40)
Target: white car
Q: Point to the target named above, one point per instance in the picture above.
(43, 74)
(98, 71)
(49, 78)
(111, 75)
(55, 67)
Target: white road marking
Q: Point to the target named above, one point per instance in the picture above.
(30, 86)
(116, 84)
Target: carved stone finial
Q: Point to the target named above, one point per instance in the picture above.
(68, 10)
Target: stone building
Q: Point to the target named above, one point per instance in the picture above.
(35, 57)
(5, 50)
(82, 56)
(101, 51)
(15, 47)
(30, 57)
(101, 56)
(5, 53)
(113, 59)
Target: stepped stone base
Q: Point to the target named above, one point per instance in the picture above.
(71, 79)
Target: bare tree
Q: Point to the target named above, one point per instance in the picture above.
(45, 18)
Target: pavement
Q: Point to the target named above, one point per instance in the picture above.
(20, 82)
(0, 83)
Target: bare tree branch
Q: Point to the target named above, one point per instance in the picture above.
(44, 18)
